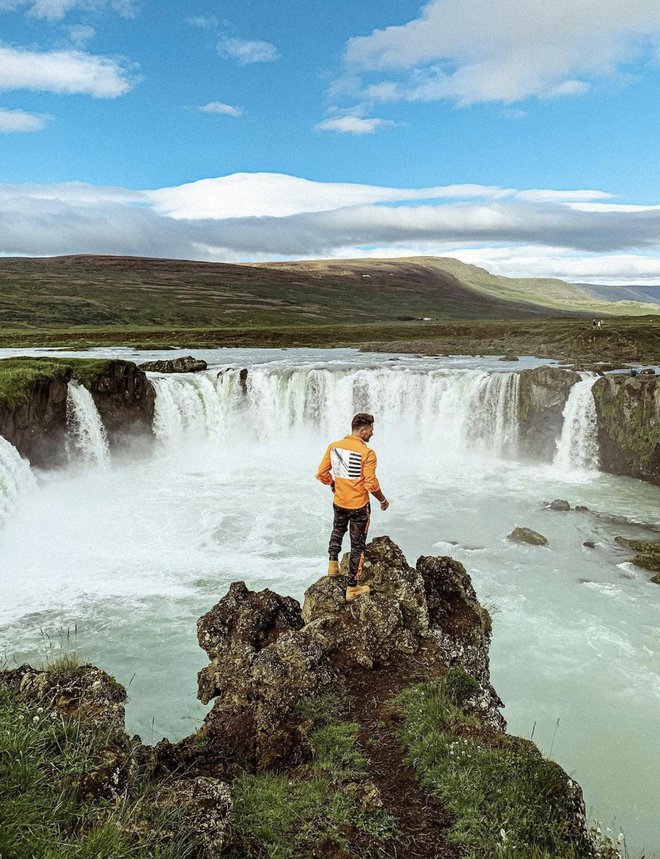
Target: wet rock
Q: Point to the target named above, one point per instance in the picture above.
(581, 508)
(37, 425)
(242, 379)
(559, 504)
(509, 357)
(628, 414)
(175, 365)
(589, 544)
(207, 805)
(647, 371)
(542, 396)
(527, 535)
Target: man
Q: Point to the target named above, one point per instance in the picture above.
(349, 467)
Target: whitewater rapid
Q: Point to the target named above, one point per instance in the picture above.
(119, 560)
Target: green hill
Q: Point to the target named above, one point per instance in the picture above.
(98, 291)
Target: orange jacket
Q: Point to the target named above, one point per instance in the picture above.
(352, 465)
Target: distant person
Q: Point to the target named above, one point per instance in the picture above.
(599, 324)
(349, 468)
(594, 324)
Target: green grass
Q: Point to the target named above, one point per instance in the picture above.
(41, 815)
(19, 375)
(288, 816)
(506, 797)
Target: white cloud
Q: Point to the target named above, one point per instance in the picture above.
(576, 235)
(504, 50)
(64, 72)
(81, 35)
(54, 10)
(220, 107)
(19, 120)
(246, 51)
(352, 124)
(246, 195)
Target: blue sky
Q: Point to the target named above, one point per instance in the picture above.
(523, 135)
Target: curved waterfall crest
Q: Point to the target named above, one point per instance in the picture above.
(459, 409)
(15, 476)
(87, 439)
(577, 448)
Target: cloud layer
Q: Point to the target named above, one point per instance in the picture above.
(577, 235)
(502, 50)
(12, 121)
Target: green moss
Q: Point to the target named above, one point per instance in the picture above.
(41, 761)
(335, 750)
(492, 783)
(648, 562)
(18, 376)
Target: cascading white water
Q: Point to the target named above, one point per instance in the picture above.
(577, 449)
(460, 409)
(15, 476)
(87, 439)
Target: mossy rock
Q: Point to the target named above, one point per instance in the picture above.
(648, 562)
(527, 535)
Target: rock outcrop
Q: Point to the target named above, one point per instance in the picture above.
(267, 655)
(543, 395)
(175, 365)
(628, 410)
(36, 424)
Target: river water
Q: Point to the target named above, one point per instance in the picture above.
(117, 559)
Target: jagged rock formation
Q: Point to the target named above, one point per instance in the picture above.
(37, 424)
(543, 395)
(175, 365)
(266, 654)
(628, 410)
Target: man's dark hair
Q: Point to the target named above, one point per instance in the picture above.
(362, 419)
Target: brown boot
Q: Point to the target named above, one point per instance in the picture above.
(352, 593)
(333, 569)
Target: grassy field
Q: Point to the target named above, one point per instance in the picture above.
(623, 339)
(126, 292)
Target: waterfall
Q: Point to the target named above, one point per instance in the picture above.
(455, 410)
(87, 439)
(577, 449)
(15, 476)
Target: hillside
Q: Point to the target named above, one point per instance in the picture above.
(97, 291)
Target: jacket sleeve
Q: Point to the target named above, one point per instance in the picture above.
(371, 483)
(325, 466)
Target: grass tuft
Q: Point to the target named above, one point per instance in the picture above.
(507, 799)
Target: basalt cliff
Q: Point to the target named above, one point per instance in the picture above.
(337, 730)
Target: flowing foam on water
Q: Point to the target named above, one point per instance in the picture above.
(458, 409)
(15, 476)
(87, 439)
(577, 449)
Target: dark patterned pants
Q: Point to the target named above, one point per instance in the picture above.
(358, 522)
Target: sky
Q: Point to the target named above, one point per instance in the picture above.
(519, 135)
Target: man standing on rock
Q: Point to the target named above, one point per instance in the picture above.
(349, 467)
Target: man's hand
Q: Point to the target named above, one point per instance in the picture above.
(384, 504)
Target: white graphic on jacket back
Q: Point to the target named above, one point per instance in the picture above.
(346, 463)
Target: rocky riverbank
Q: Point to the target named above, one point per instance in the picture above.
(367, 729)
